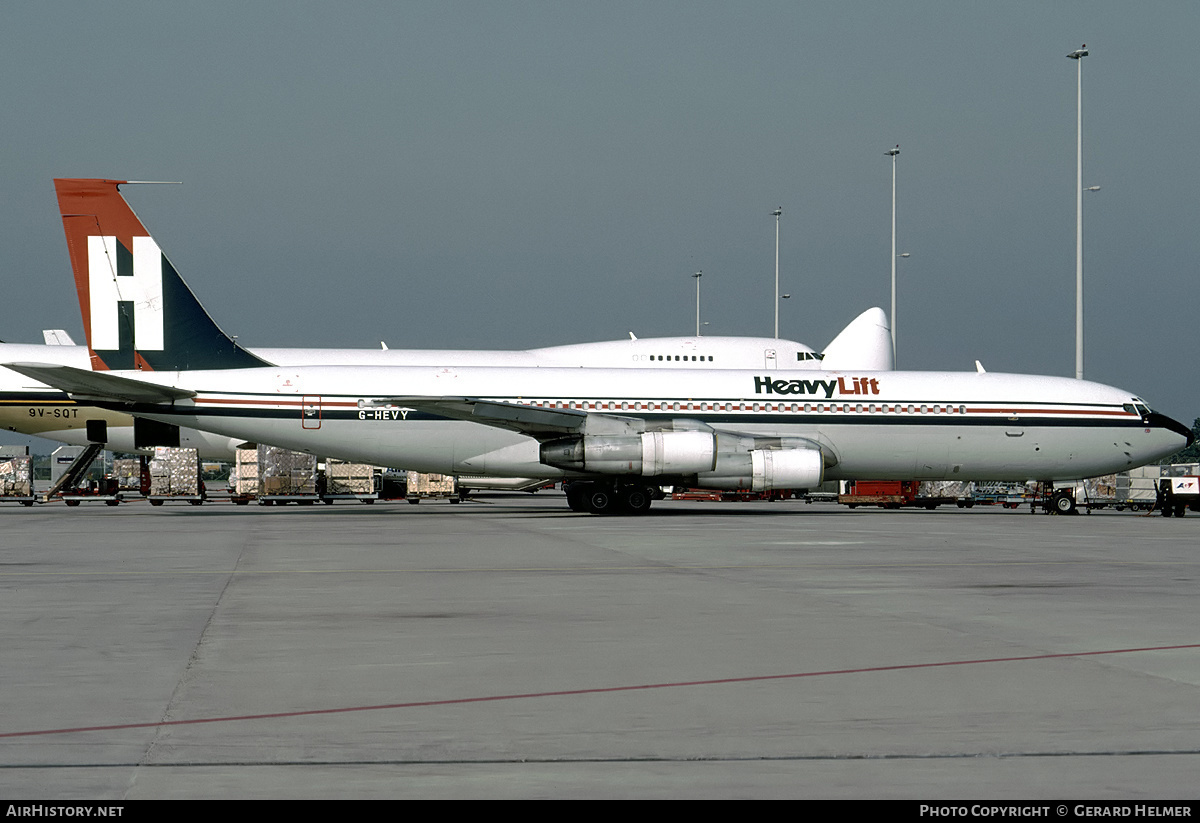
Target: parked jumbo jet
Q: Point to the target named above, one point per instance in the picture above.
(139, 314)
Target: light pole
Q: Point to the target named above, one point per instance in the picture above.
(1078, 56)
(777, 213)
(892, 319)
(698, 275)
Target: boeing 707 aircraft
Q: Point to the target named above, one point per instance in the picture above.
(620, 432)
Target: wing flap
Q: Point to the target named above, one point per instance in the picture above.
(539, 423)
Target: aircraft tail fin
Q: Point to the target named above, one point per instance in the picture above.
(138, 313)
(864, 344)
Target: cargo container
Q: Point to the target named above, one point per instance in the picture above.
(347, 481)
(422, 486)
(16, 480)
(175, 476)
(286, 476)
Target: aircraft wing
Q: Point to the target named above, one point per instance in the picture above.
(94, 386)
(539, 423)
(548, 425)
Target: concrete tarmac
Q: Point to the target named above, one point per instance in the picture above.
(510, 648)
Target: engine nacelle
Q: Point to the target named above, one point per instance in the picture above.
(765, 469)
(649, 454)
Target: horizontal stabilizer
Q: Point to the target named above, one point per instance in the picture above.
(57, 337)
(81, 384)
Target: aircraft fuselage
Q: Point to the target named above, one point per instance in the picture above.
(901, 425)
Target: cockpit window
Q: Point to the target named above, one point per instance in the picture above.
(1142, 410)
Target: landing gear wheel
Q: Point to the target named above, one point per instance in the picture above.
(601, 500)
(636, 499)
(1063, 503)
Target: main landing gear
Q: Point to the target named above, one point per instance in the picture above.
(609, 498)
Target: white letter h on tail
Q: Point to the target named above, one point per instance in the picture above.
(107, 287)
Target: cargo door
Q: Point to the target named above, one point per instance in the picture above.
(310, 411)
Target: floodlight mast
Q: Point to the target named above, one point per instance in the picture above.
(776, 214)
(892, 319)
(1078, 56)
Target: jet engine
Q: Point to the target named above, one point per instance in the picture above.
(764, 469)
(648, 455)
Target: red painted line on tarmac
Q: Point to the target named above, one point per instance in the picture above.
(601, 690)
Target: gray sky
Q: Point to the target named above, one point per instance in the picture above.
(518, 174)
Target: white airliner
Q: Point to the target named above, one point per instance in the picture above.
(617, 431)
(138, 313)
(622, 431)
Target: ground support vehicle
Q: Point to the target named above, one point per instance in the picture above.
(1008, 495)
(706, 495)
(103, 491)
(69, 467)
(913, 494)
(1176, 495)
(734, 495)
(887, 494)
(1092, 493)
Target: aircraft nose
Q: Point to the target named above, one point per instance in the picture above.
(1161, 421)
